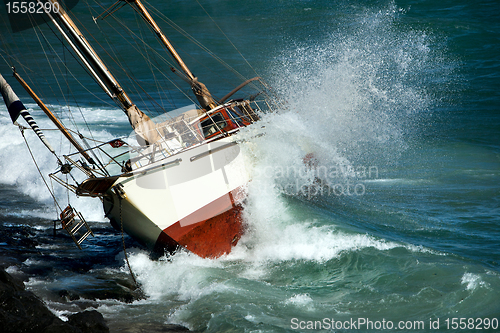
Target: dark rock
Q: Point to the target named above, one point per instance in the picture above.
(22, 312)
(150, 328)
(108, 289)
(27, 243)
(7, 280)
(59, 327)
(68, 296)
(173, 328)
(110, 292)
(89, 322)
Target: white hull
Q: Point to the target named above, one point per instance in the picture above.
(164, 204)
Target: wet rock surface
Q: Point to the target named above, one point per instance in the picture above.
(72, 280)
(23, 311)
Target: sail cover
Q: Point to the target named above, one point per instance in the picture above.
(16, 108)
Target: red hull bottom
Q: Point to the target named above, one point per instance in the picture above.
(206, 237)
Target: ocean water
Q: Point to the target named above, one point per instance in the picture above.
(399, 103)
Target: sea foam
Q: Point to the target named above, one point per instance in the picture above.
(18, 168)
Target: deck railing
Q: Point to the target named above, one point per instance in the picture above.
(119, 156)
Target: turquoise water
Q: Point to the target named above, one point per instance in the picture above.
(399, 102)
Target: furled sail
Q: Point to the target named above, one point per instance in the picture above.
(16, 108)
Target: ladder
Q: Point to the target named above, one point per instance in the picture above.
(72, 221)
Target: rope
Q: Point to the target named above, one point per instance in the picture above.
(123, 242)
(115, 58)
(21, 128)
(229, 40)
(39, 171)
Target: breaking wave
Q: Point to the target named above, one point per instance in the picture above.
(18, 169)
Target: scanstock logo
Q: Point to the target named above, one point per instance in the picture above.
(30, 13)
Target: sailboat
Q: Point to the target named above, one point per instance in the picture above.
(178, 183)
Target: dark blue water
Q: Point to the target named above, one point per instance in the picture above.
(398, 101)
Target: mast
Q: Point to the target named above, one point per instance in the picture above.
(140, 122)
(199, 89)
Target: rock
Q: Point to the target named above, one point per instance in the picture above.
(111, 290)
(59, 327)
(7, 280)
(150, 328)
(68, 295)
(173, 328)
(120, 290)
(89, 322)
(22, 312)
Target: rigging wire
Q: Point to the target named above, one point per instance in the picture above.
(140, 28)
(123, 242)
(65, 67)
(8, 64)
(162, 93)
(63, 61)
(39, 171)
(237, 50)
(112, 56)
(194, 41)
(115, 58)
(26, 69)
(51, 68)
(181, 31)
(17, 61)
(229, 40)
